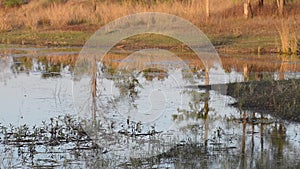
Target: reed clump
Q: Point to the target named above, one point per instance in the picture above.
(288, 39)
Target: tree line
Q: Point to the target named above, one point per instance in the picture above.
(248, 12)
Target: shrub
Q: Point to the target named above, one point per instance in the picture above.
(13, 3)
(47, 3)
(76, 21)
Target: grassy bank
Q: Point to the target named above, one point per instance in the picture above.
(226, 43)
(72, 22)
(45, 38)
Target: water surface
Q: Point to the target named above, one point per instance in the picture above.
(42, 103)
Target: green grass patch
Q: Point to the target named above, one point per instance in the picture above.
(52, 38)
(13, 3)
(150, 39)
(244, 44)
(227, 42)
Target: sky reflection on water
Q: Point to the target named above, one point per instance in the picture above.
(211, 134)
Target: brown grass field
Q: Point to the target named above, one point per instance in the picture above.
(266, 31)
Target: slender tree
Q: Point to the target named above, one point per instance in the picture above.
(260, 3)
(248, 9)
(280, 6)
(94, 88)
(94, 5)
(207, 6)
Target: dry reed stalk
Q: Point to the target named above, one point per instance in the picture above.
(289, 41)
(3, 23)
(294, 44)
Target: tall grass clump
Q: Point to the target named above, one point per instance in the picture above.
(3, 23)
(288, 39)
(60, 13)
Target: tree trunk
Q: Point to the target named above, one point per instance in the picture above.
(246, 73)
(94, 88)
(207, 9)
(94, 5)
(260, 3)
(283, 67)
(248, 9)
(280, 5)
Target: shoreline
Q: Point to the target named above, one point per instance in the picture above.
(224, 43)
(72, 22)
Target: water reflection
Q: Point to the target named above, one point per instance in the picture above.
(216, 135)
(5, 71)
(25, 92)
(263, 67)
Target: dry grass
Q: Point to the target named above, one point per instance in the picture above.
(226, 24)
(288, 38)
(42, 13)
(4, 25)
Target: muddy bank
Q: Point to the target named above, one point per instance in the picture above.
(223, 43)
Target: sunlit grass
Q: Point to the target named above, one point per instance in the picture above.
(226, 27)
(288, 39)
(55, 13)
(53, 38)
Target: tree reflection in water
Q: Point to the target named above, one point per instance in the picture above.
(247, 139)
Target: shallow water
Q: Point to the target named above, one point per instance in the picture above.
(155, 123)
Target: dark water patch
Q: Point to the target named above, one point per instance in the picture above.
(278, 98)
